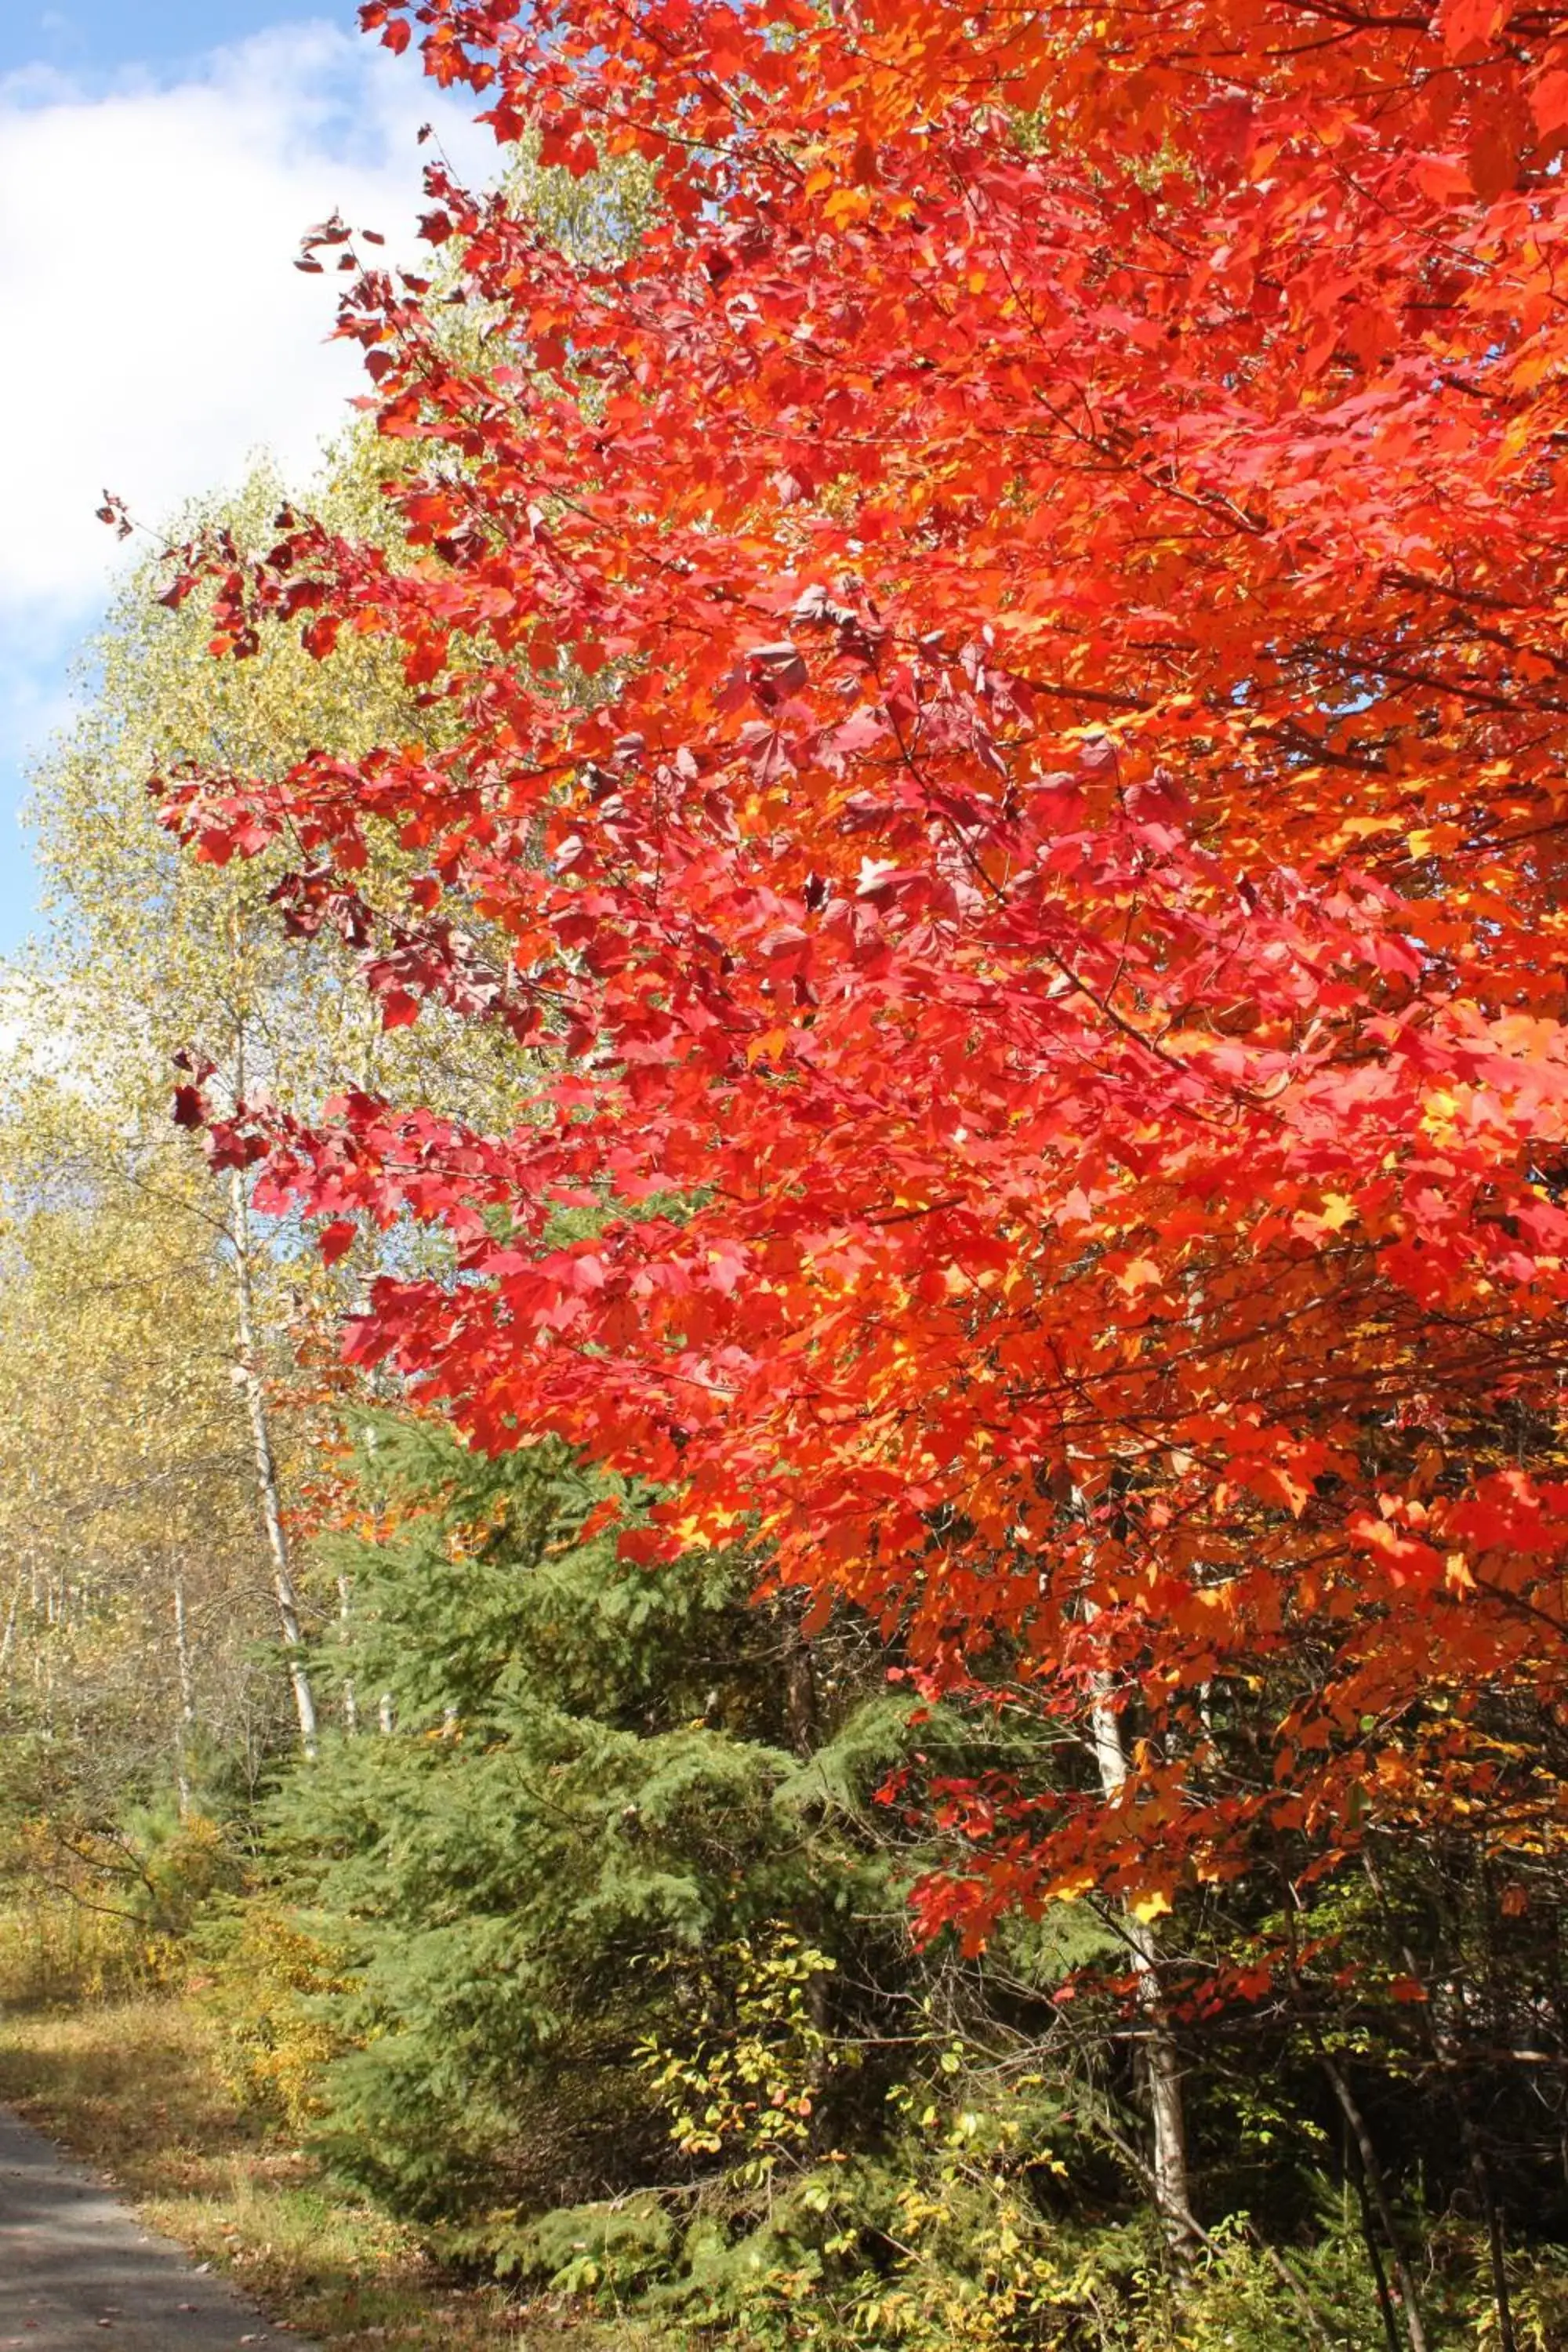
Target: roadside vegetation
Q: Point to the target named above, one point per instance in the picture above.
(132, 2084)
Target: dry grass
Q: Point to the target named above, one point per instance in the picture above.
(131, 2085)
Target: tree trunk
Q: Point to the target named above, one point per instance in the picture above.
(1372, 2173)
(8, 1637)
(1508, 2341)
(1161, 2060)
(801, 1721)
(265, 1471)
(800, 1678)
(186, 1721)
(351, 1696)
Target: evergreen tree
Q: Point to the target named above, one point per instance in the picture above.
(582, 1795)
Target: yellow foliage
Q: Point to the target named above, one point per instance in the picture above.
(276, 2036)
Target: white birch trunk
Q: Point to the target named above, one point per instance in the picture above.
(250, 1375)
(1161, 2063)
(345, 1621)
(7, 1639)
(186, 1721)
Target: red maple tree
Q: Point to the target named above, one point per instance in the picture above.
(998, 689)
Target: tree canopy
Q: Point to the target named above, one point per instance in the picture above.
(994, 687)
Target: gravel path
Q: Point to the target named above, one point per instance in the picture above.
(76, 2268)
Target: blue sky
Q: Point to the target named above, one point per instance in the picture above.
(158, 163)
(95, 38)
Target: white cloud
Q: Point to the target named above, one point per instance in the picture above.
(157, 336)
(157, 332)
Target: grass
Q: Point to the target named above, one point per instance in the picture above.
(131, 2085)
